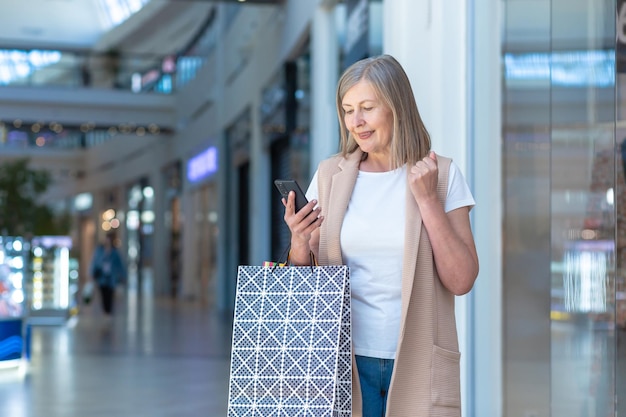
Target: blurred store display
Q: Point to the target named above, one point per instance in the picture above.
(49, 286)
(12, 300)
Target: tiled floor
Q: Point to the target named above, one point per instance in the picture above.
(155, 357)
(163, 358)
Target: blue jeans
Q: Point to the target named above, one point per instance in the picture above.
(375, 377)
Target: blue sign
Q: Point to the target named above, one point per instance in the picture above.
(202, 165)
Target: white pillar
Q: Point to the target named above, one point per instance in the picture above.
(486, 107)
(429, 39)
(225, 257)
(260, 183)
(324, 77)
(225, 266)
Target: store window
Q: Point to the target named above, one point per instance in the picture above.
(361, 35)
(286, 116)
(563, 192)
(172, 175)
(238, 136)
(140, 229)
(205, 245)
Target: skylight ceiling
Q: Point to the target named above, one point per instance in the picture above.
(61, 24)
(117, 11)
(20, 64)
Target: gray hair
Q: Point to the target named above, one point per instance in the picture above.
(410, 141)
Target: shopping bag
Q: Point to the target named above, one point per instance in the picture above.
(88, 289)
(291, 343)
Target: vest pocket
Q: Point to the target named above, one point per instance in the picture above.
(445, 378)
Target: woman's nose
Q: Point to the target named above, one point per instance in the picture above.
(357, 120)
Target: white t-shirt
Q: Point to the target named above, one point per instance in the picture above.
(372, 245)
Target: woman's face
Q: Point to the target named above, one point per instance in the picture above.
(368, 119)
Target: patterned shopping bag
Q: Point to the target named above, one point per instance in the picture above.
(291, 344)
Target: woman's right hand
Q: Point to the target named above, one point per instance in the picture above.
(301, 225)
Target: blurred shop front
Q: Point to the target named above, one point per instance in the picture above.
(564, 115)
(13, 309)
(38, 286)
(285, 113)
(286, 116)
(139, 240)
(195, 229)
(172, 178)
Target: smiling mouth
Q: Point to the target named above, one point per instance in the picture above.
(364, 135)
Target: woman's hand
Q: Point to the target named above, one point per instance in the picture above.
(450, 234)
(423, 178)
(301, 225)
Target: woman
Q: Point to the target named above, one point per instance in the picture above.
(398, 215)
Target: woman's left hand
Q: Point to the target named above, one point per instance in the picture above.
(423, 178)
(450, 234)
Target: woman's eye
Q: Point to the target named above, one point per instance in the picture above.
(367, 108)
(348, 111)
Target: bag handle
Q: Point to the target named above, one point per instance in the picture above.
(286, 255)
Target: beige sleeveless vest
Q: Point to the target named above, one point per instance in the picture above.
(426, 375)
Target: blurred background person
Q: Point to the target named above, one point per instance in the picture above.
(107, 270)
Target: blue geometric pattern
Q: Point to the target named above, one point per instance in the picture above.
(291, 346)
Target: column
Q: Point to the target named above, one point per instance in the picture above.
(324, 77)
(260, 233)
(225, 265)
(450, 51)
(486, 141)
(428, 37)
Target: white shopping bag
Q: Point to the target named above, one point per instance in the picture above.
(291, 345)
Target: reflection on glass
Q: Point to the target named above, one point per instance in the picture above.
(585, 280)
(568, 68)
(561, 257)
(582, 230)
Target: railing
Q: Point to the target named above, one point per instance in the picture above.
(139, 74)
(112, 70)
(57, 137)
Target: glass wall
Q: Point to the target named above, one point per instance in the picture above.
(620, 209)
(563, 186)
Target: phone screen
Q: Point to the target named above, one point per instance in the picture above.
(284, 186)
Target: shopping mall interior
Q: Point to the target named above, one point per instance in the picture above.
(163, 123)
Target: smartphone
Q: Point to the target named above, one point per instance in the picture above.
(284, 186)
